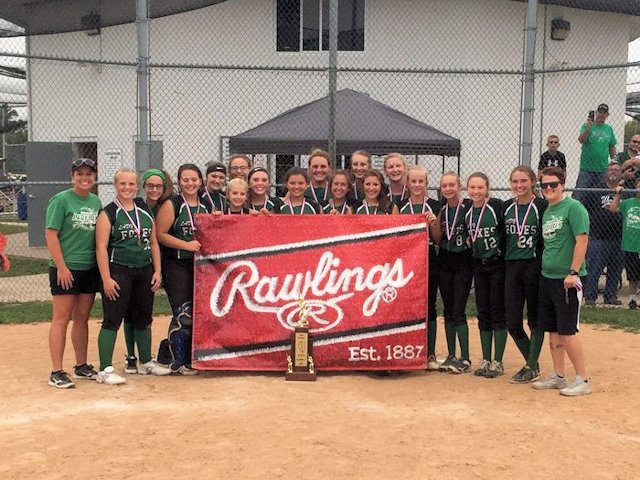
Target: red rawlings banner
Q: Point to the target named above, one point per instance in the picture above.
(363, 278)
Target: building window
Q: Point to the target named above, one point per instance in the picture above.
(303, 25)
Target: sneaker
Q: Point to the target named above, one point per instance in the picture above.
(578, 387)
(108, 376)
(483, 370)
(552, 381)
(615, 301)
(60, 379)
(85, 371)
(447, 365)
(461, 366)
(495, 370)
(153, 368)
(633, 305)
(184, 370)
(130, 364)
(432, 363)
(525, 375)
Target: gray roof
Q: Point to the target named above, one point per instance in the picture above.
(43, 17)
(361, 123)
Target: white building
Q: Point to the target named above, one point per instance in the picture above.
(194, 108)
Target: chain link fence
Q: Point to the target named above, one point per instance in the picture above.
(216, 72)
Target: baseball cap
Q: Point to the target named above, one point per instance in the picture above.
(83, 162)
(603, 107)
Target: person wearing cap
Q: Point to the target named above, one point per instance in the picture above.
(215, 179)
(598, 144)
(73, 272)
(157, 186)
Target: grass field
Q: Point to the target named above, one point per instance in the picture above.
(8, 228)
(26, 266)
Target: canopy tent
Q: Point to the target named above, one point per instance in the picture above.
(361, 123)
(57, 16)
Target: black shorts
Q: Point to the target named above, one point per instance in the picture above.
(84, 281)
(558, 309)
(632, 266)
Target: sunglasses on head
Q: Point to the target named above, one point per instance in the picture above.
(83, 162)
(545, 185)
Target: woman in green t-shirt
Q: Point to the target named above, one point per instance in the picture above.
(73, 275)
(129, 261)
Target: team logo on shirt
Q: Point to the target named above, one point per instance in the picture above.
(551, 226)
(633, 218)
(85, 219)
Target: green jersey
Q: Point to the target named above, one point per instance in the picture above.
(365, 209)
(74, 218)
(126, 247)
(453, 226)
(319, 195)
(217, 199)
(630, 211)
(343, 208)
(485, 229)
(427, 205)
(524, 234)
(595, 151)
(181, 227)
(273, 204)
(561, 224)
(307, 207)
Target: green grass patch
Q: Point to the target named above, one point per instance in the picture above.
(15, 227)
(26, 266)
(621, 318)
(31, 312)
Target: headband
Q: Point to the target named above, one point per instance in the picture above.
(151, 173)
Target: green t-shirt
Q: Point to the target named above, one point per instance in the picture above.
(488, 242)
(528, 245)
(561, 224)
(630, 211)
(74, 218)
(595, 151)
(456, 227)
(125, 248)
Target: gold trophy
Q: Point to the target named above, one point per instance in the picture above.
(300, 365)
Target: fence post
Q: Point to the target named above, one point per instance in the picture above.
(333, 76)
(142, 29)
(527, 104)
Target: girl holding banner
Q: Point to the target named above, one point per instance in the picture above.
(375, 201)
(523, 255)
(485, 224)
(296, 182)
(129, 261)
(176, 235)
(456, 272)
(420, 203)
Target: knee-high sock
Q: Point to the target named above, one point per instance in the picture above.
(537, 340)
(129, 339)
(463, 337)
(106, 344)
(486, 339)
(432, 330)
(143, 340)
(450, 331)
(500, 337)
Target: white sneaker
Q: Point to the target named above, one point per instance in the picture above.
(109, 376)
(578, 387)
(432, 363)
(186, 370)
(152, 367)
(550, 382)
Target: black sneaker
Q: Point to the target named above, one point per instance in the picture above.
(633, 305)
(85, 371)
(130, 364)
(447, 365)
(461, 366)
(483, 371)
(525, 375)
(59, 379)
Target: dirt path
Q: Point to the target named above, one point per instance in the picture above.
(227, 426)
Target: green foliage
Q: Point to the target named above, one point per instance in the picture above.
(631, 128)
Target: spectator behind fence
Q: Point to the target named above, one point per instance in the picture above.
(630, 212)
(598, 144)
(552, 157)
(604, 243)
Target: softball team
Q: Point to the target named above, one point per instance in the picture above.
(485, 225)
(526, 249)
(128, 257)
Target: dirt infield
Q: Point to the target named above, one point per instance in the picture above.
(227, 426)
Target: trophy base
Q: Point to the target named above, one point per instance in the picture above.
(300, 376)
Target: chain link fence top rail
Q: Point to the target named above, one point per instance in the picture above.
(227, 68)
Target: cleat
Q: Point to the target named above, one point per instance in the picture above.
(483, 371)
(432, 363)
(184, 370)
(461, 366)
(60, 379)
(447, 364)
(495, 370)
(130, 364)
(85, 371)
(525, 375)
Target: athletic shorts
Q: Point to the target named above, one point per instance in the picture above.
(558, 309)
(632, 266)
(84, 281)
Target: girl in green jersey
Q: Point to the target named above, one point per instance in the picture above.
(296, 182)
(129, 261)
(360, 163)
(375, 201)
(157, 186)
(319, 172)
(259, 199)
(341, 194)
(395, 169)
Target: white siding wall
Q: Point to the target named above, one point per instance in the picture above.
(192, 109)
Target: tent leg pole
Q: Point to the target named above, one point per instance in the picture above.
(333, 77)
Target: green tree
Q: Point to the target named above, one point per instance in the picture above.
(631, 128)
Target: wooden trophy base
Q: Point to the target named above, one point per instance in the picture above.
(300, 376)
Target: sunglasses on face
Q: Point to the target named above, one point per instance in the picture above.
(545, 185)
